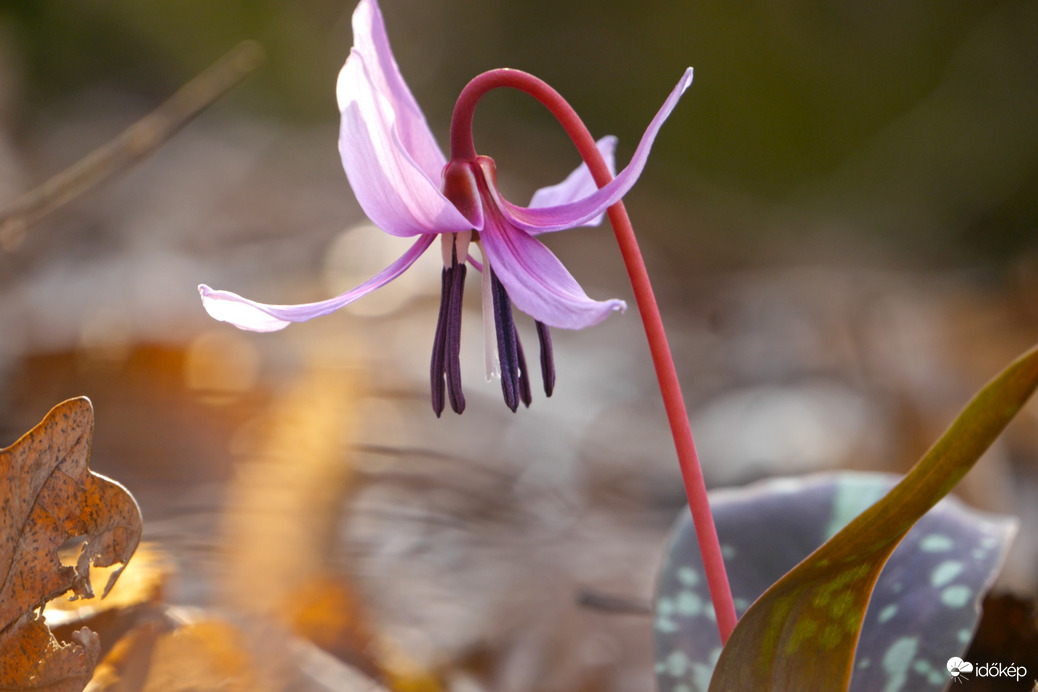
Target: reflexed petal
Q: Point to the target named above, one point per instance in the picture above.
(259, 317)
(372, 42)
(579, 184)
(574, 214)
(392, 189)
(537, 282)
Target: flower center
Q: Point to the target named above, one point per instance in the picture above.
(471, 186)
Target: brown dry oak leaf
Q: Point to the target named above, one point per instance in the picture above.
(48, 497)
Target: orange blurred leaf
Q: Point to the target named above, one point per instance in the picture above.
(207, 655)
(328, 612)
(48, 497)
(125, 668)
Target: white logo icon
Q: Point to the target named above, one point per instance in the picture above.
(958, 668)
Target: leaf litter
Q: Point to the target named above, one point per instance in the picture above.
(50, 497)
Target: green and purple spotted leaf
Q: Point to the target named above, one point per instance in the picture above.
(923, 609)
(802, 633)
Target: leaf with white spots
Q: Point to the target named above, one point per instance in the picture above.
(924, 607)
(801, 634)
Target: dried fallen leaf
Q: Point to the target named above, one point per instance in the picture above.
(135, 598)
(50, 497)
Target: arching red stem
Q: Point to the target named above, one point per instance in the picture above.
(463, 149)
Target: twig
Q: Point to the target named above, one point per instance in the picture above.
(138, 141)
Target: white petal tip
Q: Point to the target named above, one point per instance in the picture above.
(686, 79)
(228, 307)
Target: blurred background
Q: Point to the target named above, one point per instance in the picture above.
(840, 219)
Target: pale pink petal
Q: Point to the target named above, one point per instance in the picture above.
(372, 42)
(392, 189)
(578, 184)
(572, 214)
(536, 281)
(260, 317)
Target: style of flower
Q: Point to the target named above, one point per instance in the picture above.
(407, 188)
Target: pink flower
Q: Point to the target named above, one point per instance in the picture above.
(405, 185)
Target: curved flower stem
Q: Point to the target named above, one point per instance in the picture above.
(463, 149)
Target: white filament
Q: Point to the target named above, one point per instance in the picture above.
(450, 241)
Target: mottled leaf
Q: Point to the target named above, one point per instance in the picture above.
(923, 609)
(48, 496)
(802, 633)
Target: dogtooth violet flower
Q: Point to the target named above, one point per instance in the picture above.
(406, 186)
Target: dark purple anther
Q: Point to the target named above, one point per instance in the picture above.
(547, 358)
(436, 369)
(524, 376)
(507, 343)
(446, 355)
(454, 337)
